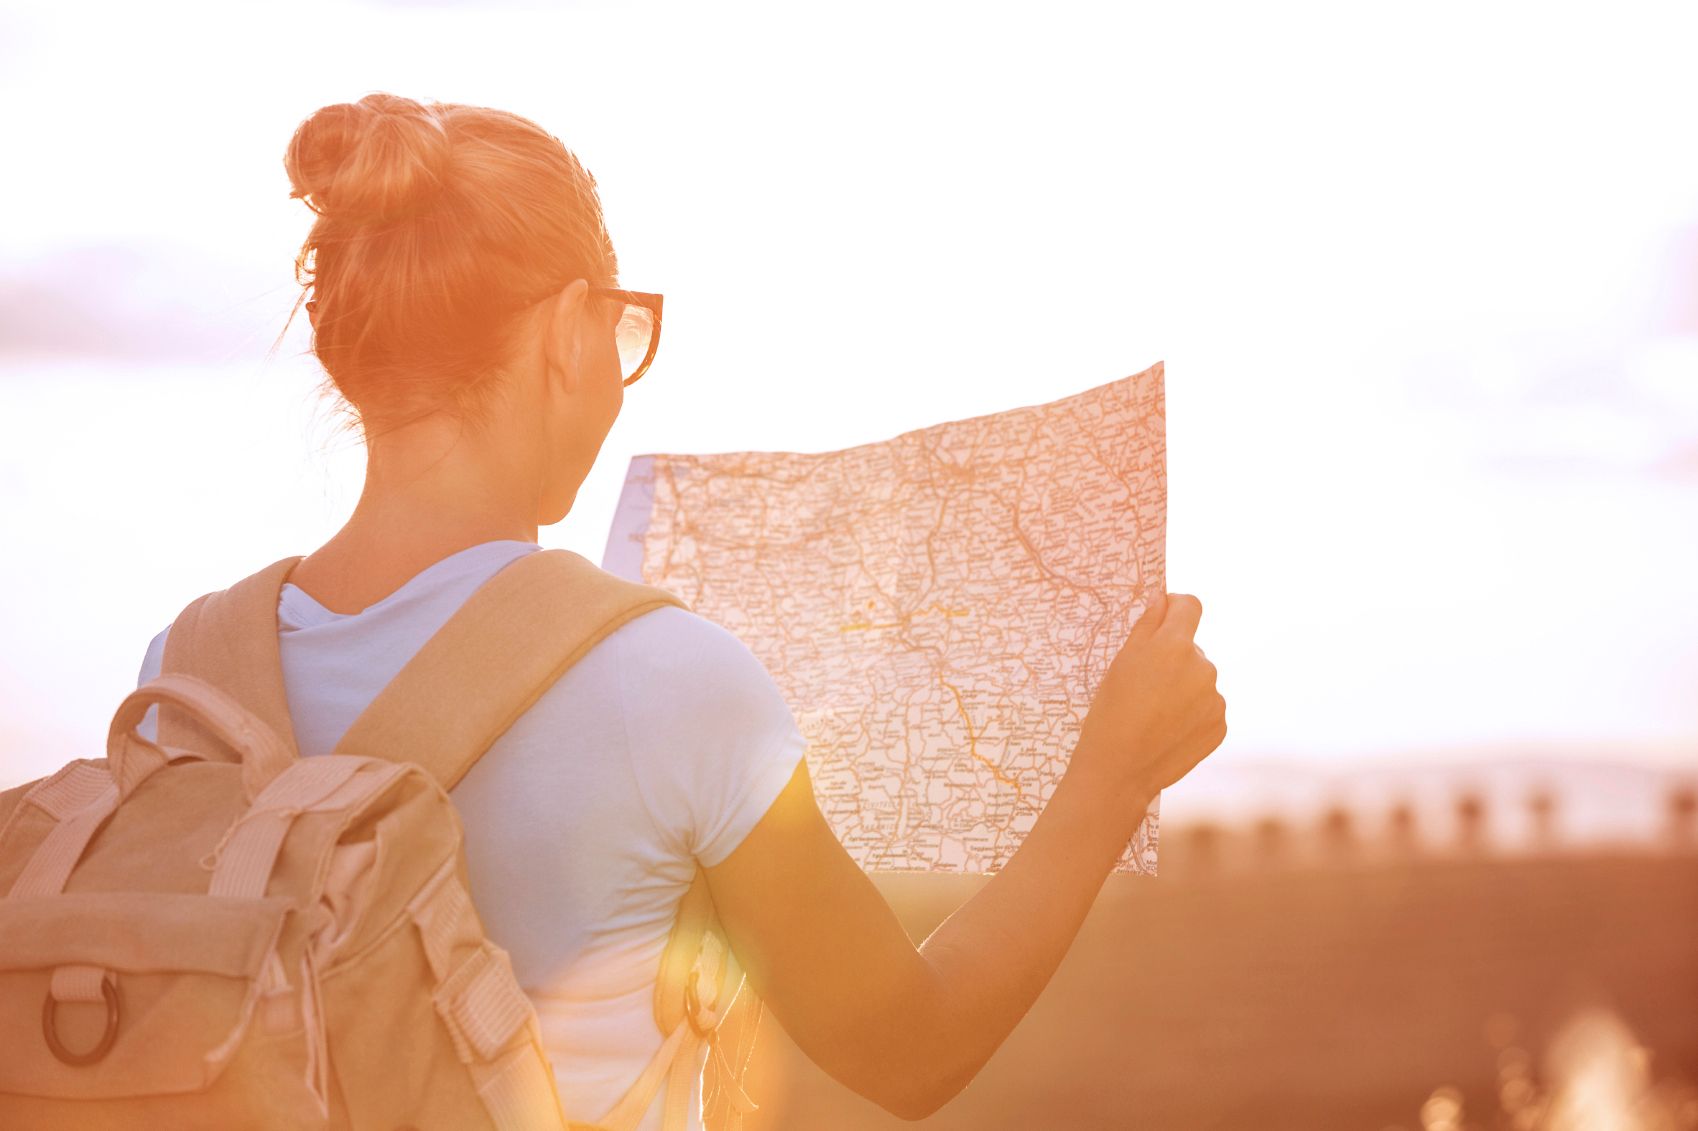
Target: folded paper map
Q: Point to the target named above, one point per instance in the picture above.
(937, 608)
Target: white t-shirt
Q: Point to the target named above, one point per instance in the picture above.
(663, 745)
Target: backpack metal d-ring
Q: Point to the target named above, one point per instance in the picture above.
(49, 1028)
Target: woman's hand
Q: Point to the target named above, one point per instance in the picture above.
(1156, 713)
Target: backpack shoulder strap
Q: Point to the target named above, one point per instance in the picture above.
(506, 645)
(512, 638)
(229, 639)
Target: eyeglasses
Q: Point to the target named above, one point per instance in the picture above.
(638, 332)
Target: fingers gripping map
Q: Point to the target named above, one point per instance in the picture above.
(937, 608)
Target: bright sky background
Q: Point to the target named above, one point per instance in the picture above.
(1426, 287)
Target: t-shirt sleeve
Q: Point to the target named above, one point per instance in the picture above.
(711, 738)
(152, 661)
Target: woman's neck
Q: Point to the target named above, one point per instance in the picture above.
(429, 492)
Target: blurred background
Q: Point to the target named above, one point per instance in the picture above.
(1426, 286)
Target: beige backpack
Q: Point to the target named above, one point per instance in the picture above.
(188, 941)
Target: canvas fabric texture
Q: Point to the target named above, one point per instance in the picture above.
(209, 931)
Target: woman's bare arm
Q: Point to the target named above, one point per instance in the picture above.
(906, 1027)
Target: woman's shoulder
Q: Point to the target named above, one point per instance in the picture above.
(710, 733)
(673, 642)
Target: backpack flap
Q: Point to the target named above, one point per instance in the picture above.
(114, 994)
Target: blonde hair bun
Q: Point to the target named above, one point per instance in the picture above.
(381, 158)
